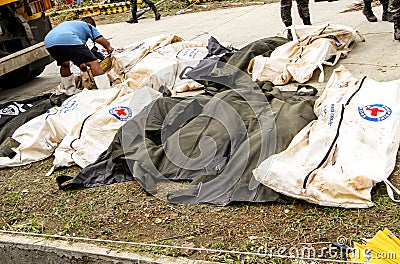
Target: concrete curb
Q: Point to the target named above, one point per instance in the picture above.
(32, 250)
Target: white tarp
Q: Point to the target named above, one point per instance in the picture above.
(80, 129)
(85, 124)
(165, 65)
(83, 146)
(311, 48)
(40, 136)
(154, 62)
(338, 158)
(127, 57)
(136, 51)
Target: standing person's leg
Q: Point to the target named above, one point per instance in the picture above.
(386, 16)
(394, 9)
(286, 15)
(286, 12)
(367, 11)
(154, 8)
(133, 18)
(67, 84)
(304, 11)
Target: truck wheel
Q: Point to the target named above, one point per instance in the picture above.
(36, 72)
(19, 76)
(15, 78)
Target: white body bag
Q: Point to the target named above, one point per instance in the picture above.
(338, 158)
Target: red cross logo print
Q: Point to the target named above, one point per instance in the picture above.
(375, 112)
(122, 113)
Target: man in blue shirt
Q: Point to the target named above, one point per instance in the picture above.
(67, 42)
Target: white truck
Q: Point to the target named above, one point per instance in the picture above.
(23, 26)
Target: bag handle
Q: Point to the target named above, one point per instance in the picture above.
(390, 188)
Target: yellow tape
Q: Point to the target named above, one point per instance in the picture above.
(113, 10)
(90, 13)
(105, 9)
(121, 4)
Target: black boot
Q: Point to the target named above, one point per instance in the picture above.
(306, 21)
(289, 35)
(132, 19)
(386, 15)
(154, 8)
(289, 32)
(157, 15)
(396, 34)
(367, 11)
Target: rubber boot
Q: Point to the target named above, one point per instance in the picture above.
(67, 85)
(306, 21)
(157, 15)
(102, 82)
(386, 15)
(132, 19)
(396, 29)
(154, 8)
(367, 11)
(289, 32)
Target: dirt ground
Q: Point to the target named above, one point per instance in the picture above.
(31, 202)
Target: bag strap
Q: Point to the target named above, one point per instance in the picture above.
(91, 31)
(390, 188)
